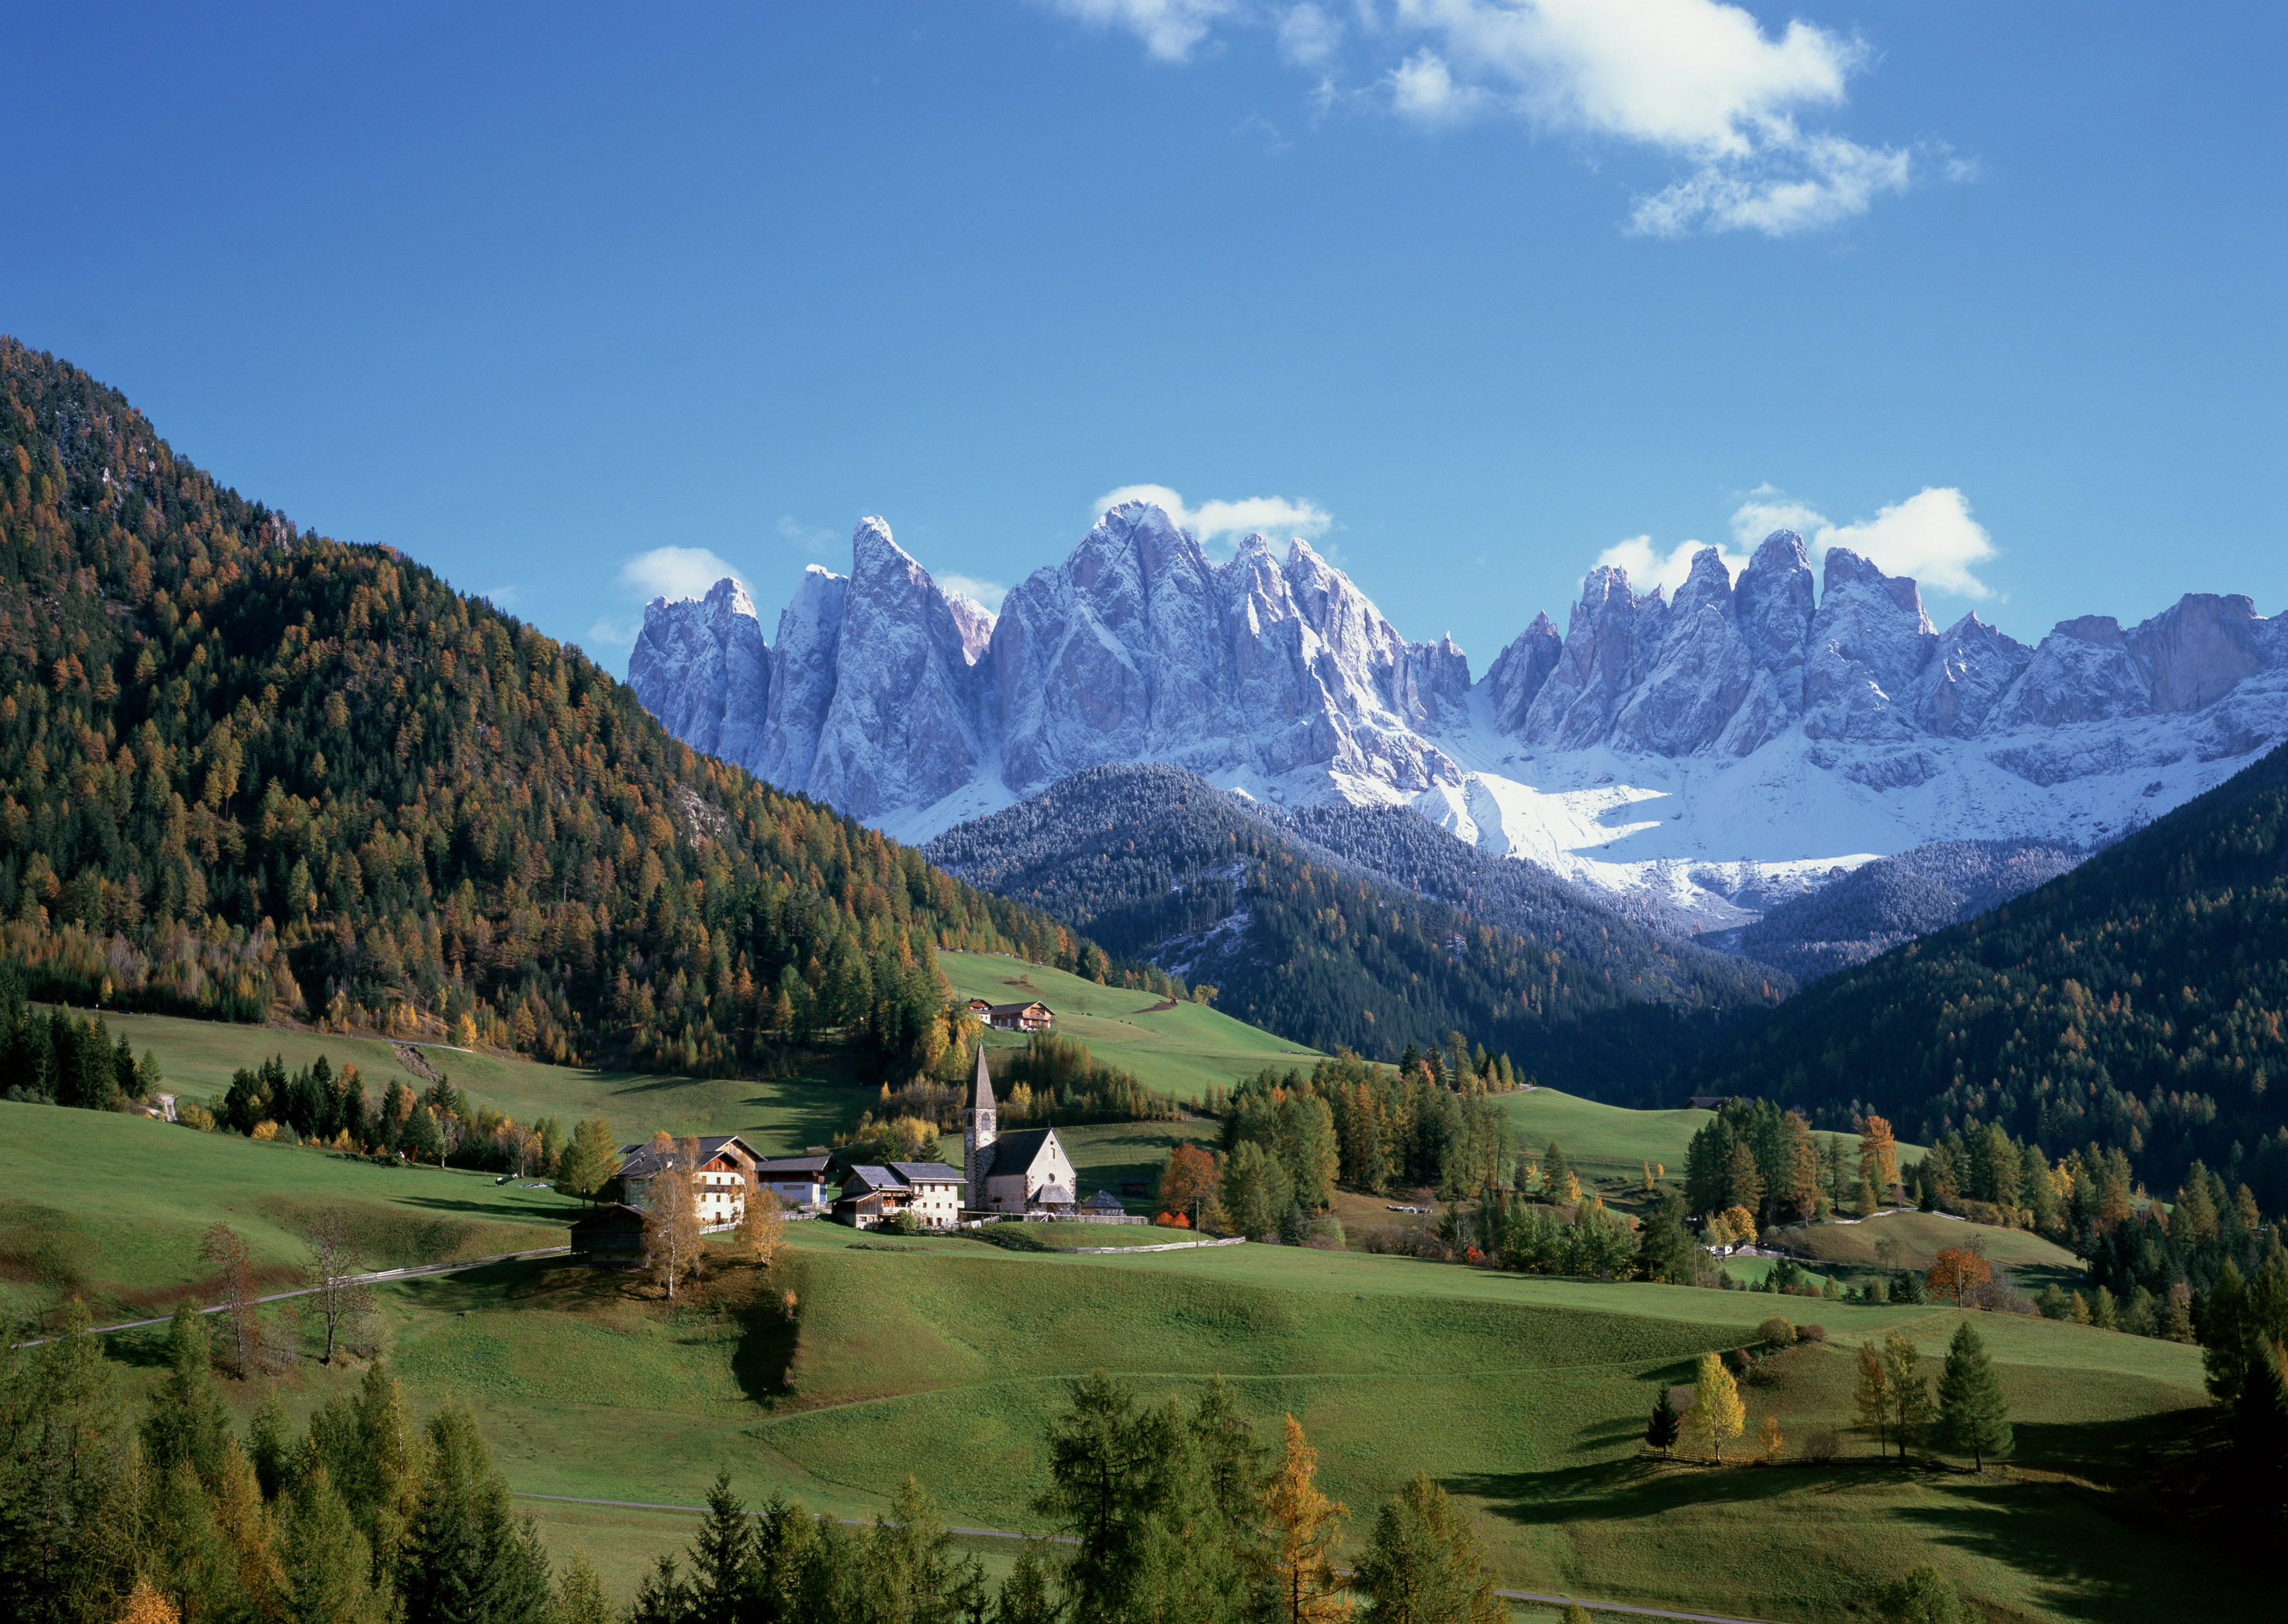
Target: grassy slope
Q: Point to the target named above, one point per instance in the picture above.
(1610, 1140)
(1525, 1396)
(1183, 1049)
(198, 1058)
(115, 1206)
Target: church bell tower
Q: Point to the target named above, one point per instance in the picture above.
(977, 1142)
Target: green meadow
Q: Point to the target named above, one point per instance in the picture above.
(1180, 1048)
(1526, 1398)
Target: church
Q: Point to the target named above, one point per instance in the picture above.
(1024, 1172)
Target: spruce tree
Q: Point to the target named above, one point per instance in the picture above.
(328, 1567)
(1424, 1565)
(787, 1547)
(266, 1448)
(722, 1558)
(1662, 1430)
(662, 1597)
(1025, 1597)
(1972, 1415)
(468, 1561)
(189, 1421)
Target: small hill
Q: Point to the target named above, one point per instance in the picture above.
(1403, 936)
(2140, 1001)
(1879, 904)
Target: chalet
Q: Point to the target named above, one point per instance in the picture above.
(798, 1182)
(874, 1195)
(1022, 1172)
(609, 1237)
(1035, 1016)
(1104, 1204)
(719, 1187)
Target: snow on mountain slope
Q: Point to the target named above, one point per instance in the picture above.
(1720, 753)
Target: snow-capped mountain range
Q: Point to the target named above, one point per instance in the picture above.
(1722, 749)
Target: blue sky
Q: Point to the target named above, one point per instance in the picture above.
(1474, 291)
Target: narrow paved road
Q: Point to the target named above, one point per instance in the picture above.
(1003, 1534)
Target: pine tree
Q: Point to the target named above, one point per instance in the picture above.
(468, 1559)
(266, 1448)
(1661, 1431)
(189, 1421)
(911, 1574)
(1972, 1415)
(1230, 1455)
(722, 1558)
(662, 1597)
(1302, 1528)
(1425, 1565)
(328, 1567)
(1717, 1415)
(1025, 1597)
(587, 1162)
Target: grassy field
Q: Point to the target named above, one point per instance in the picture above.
(112, 1209)
(945, 1357)
(1181, 1048)
(1610, 1141)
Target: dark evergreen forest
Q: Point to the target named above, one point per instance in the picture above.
(245, 768)
(2136, 1002)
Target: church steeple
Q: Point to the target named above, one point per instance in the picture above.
(977, 1140)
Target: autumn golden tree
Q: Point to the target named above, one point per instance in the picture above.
(1955, 1272)
(1717, 1415)
(1302, 1530)
(1878, 1155)
(1189, 1180)
(762, 1224)
(671, 1227)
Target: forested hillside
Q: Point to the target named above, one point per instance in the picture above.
(2134, 1003)
(1153, 862)
(244, 767)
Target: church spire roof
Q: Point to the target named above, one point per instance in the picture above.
(982, 1098)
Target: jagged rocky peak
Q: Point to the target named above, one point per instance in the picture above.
(2198, 649)
(1868, 640)
(1971, 667)
(706, 658)
(1608, 648)
(1518, 670)
(1700, 675)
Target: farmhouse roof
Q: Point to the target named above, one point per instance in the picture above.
(925, 1172)
(1104, 1200)
(1018, 1008)
(771, 1165)
(642, 1161)
(872, 1180)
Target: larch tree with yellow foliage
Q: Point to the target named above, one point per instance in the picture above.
(1302, 1530)
(1717, 1415)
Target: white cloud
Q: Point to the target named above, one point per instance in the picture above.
(1649, 569)
(674, 572)
(610, 633)
(1701, 81)
(1271, 515)
(1423, 87)
(1769, 507)
(987, 594)
(1169, 28)
(803, 536)
(1930, 536)
(1696, 79)
(1307, 36)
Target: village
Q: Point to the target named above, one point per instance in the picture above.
(1023, 1176)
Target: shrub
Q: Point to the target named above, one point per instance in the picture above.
(1328, 1232)
(1818, 1447)
(1777, 1331)
(1740, 1360)
(1811, 1333)
(195, 1116)
(907, 1222)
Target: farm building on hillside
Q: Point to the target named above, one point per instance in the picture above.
(1035, 1016)
(610, 1237)
(797, 1181)
(1022, 1172)
(718, 1186)
(873, 1195)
